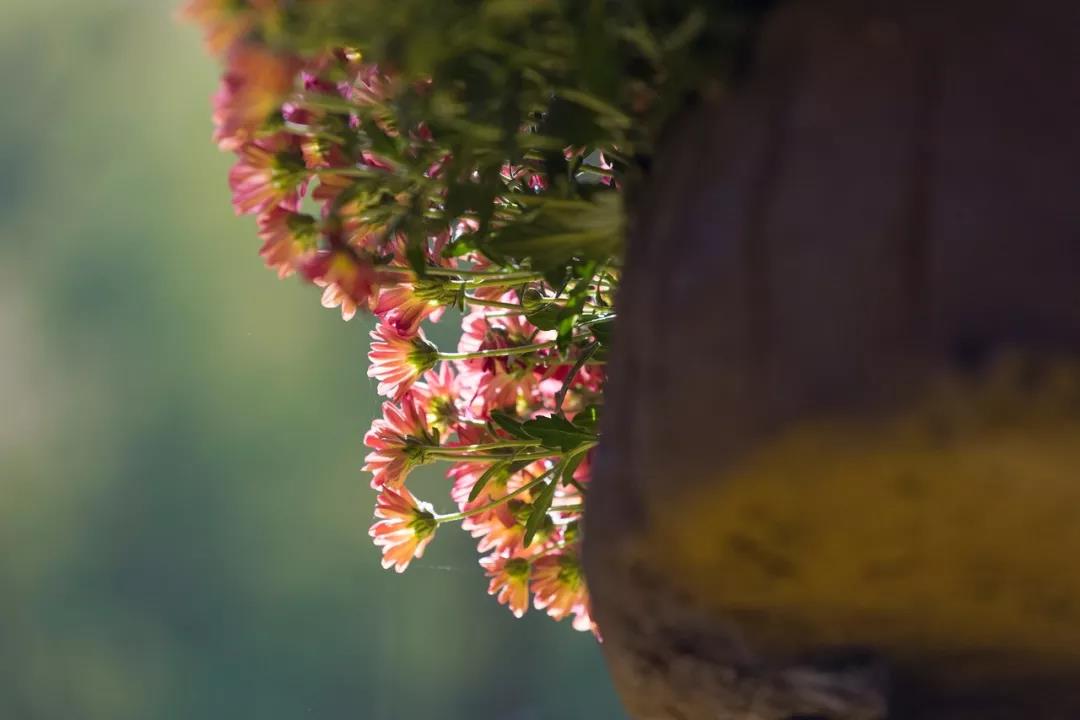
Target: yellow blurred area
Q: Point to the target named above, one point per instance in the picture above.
(946, 532)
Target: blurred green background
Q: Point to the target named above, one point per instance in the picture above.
(183, 520)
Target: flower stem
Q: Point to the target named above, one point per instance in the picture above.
(454, 517)
(351, 171)
(333, 103)
(311, 131)
(442, 454)
(498, 352)
(504, 280)
(489, 446)
(472, 300)
(462, 272)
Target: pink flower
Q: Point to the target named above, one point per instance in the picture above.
(397, 360)
(255, 83)
(398, 247)
(404, 529)
(269, 172)
(464, 476)
(501, 530)
(288, 237)
(509, 581)
(335, 296)
(465, 473)
(223, 21)
(583, 620)
(368, 85)
(356, 230)
(585, 388)
(498, 382)
(348, 279)
(518, 174)
(406, 305)
(397, 443)
(439, 394)
(559, 588)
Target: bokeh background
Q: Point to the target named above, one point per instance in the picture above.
(183, 520)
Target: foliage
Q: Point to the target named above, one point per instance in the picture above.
(410, 157)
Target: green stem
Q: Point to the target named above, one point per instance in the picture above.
(300, 129)
(498, 352)
(484, 274)
(472, 300)
(454, 517)
(360, 172)
(461, 272)
(327, 102)
(487, 457)
(506, 280)
(489, 446)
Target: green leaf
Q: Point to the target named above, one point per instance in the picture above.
(565, 330)
(555, 431)
(601, 329)
(556, 276)
(499, 471)
(555, 233)
(611, 115)
(510, 424)
(588, 418)
(482, 481)
(582, 359)
(569, 466)
(539, 511)
(540, 311)
(381, 143)
(416, 256)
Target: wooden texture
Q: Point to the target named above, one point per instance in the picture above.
(837, 256)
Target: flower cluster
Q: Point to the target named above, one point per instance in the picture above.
(512, 412)
(406, 214)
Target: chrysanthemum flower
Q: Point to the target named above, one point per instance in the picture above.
(399, 246)
(406, 305)
(268, 172)
(439, 393)
(348, 279)
(223, 21)
(585, 388)
(321, 153)
(368, 85)
(501, 530)
(397, 441)
(559, 587)
(464, 476)
(256, 82)
(498, 382)
(397, 360)
(509, 581)
(404, 529)
(287, 238)
(226, 21)
(583, 619)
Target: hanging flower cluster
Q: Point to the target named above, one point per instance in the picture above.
(409, 158)
(383, 215)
